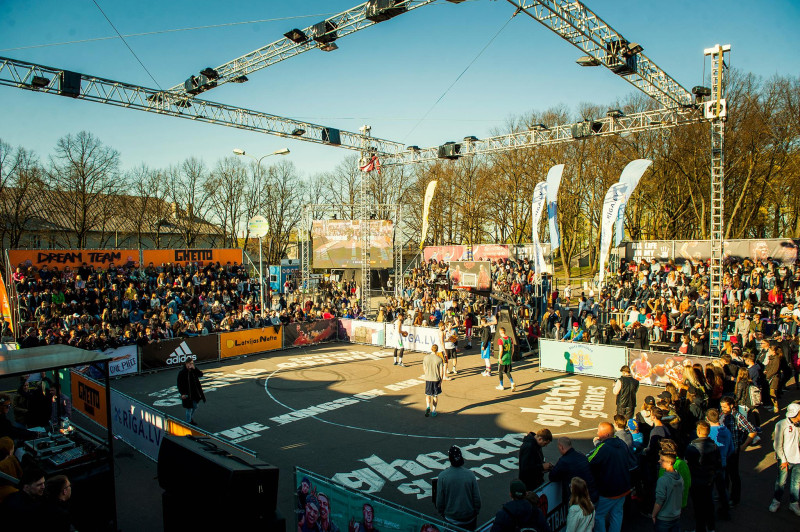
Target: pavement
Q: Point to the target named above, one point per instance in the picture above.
(371, 433)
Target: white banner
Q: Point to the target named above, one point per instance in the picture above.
(539, 198)
(125, 361)
(631, 175)
(553, 182)
(140, 426)
(363, 332)
(418, 339)
(614, 198)
(426, 210)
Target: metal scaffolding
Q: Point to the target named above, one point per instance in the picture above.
(716, 110)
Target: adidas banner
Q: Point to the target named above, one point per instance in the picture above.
(309, 332)
(173, 353)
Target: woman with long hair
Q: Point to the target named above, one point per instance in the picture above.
(580, 517)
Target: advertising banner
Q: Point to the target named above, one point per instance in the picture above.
(99, 258)
(322, 504)
(631, 175)
(611, 203)
(480, 252)
(337, 243)
(185, 256)
(89, 397)
(426, 211)
(174, 352)
(539, 199)
(5, 308)
(553, 182)
(363, 332)
(471, 275)
(781, 250)
(657, 368)
(583, 359)
(249, 341)
(307, 333)
(137, 424)
(124, 361)
(418, 339)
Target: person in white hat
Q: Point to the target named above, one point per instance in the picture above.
(786, 441)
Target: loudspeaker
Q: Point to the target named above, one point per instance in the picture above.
(70, 84)
(190, 511)
(449, 150)
(331, 136)
(237, 482)
(324, 32)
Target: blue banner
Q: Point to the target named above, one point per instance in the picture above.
(553, 181)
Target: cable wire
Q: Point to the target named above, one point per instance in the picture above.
(458, 78)
(127, 45)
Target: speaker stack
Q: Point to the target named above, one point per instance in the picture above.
(207, 487)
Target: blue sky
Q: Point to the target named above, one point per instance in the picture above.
(388, 75)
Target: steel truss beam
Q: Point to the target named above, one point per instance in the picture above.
(580, 26)
(340, 25)
(542, 136)
(50, 80)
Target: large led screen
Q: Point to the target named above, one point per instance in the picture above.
(337, 243)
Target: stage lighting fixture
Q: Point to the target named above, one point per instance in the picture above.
(701, 91)
(210, 73)
(328, 47)
(39, 82)
(634, 48)
(587, 61)
(240, 79)
(324, 32)
(296, 36)
(538, 127)
(298, 132)
(413, 148)
(614, 113)
(471, 138)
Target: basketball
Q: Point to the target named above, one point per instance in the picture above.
(405, 333)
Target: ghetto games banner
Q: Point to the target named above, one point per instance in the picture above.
(471, 275)
(321, 504)
(174, 352)
(582, 358)
(183, 257)
(308, 333)
(656, 368)
(363, 332)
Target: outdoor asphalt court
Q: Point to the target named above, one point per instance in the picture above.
(346, 412)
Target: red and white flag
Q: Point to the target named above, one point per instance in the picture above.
(373, 164)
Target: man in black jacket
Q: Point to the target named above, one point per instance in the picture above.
(571, 464)
(625, 389)
(531, 458)
(705, 462)
(519, 513)
(610, 462)
(190, 389)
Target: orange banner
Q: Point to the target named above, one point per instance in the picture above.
(5, 308)
(250, 341)
(89, 398)
(99, 258)
(185, 256)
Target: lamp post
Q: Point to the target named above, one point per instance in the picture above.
(258, 225)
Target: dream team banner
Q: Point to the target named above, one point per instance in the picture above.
(101, 259)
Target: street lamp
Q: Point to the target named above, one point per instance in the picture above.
(261, 233)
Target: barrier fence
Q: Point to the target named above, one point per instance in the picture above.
(652, 368)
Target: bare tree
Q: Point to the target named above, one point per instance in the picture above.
(190, 191)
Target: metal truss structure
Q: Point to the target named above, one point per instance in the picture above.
(296, 41)
(48, 80)
(541, 135)
(579, 25)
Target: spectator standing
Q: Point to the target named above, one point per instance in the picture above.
(625, 388)
(705, 463)
(190, 389)
(531, 458)
(786, 441)
(572, 464)
(433, 368)
(722, 437)
(611, 462)
(519, 513)
(581, 513)
(669, 497)
(458, 498)
(742, 433)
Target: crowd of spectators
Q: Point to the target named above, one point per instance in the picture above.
(104, 308)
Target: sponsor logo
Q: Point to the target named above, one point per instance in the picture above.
(252, 341)
(181, 354)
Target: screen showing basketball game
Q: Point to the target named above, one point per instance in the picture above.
(475, 276)
(337, 243)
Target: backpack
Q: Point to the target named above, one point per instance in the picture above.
(754, 395)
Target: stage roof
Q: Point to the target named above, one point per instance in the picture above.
(45, 358)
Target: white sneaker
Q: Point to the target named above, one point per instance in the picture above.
(774, 505)
(755, 442)
(795, 507)
(513, 386)
(401, 364)
(499, 387)
(455, 372)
